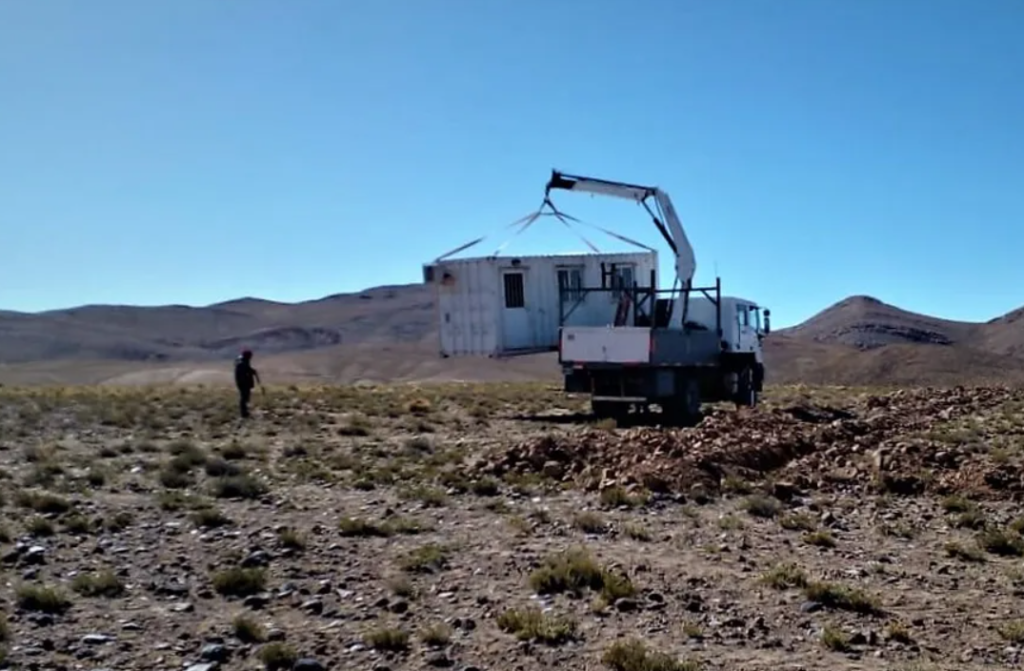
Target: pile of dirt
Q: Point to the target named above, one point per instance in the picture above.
(893, 441)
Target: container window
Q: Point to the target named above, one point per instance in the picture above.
(514, 295)
(570, 283)
(622, 279)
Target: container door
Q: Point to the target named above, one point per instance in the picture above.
(515, 315)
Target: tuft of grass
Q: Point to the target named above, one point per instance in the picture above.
(634, 655)
(291, 540)
(957, 504)
(248, 630)
(822, 538)
(39, 526)
(1004, 543)
(964, 553)
(785, 576)
(798, 522)
(42, 599)
(431, 497)
(278, 656)
(620, 497)
(1012, 631)
(239, 581)
(210, 518)
(44, 503)
(574, 571)
(531, 624)
(841, 597)
(104, 583)
(242, 486)
(436, 635)
(897, 631)
(759, 505)
(589, 522)
(637, 532)
(427, 558)
(388, 639)
(833, 638)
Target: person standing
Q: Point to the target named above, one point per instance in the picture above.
(246, 378)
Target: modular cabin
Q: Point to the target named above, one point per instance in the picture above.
(505, 305)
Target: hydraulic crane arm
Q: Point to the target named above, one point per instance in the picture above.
(668, 222)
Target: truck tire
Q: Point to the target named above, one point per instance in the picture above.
(746, 392)
(685, 407)
(609, 409)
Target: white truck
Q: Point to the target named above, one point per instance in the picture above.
(676, 352)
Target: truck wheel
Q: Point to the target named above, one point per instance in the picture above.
(684, 408)
(609, 409)
(746, 393)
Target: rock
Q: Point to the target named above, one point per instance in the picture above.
(399, 607)
(439, 660)
(214, 652)
(96, 639)
(626, 605)
(35, 555)
(256, 559)
(314, 606)
(256, 601)
(810, 607)
(307, 664)
(205, 666)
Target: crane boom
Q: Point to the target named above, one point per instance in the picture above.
(675, 236)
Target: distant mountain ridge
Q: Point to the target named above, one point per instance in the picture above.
(858, 340)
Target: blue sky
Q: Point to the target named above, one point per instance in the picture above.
(190, 151)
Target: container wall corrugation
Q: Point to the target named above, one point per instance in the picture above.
(468, 303)
(471, 303)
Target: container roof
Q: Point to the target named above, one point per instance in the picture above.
(558, 255)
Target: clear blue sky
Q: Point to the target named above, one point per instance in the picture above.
(190, 151)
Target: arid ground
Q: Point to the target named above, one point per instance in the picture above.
(498, 527)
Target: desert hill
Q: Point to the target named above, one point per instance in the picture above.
(389, 333)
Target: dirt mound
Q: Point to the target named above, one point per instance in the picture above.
(892, 441)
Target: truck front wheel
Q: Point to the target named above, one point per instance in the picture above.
(746, 389)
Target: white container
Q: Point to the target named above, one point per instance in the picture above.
(504, 305)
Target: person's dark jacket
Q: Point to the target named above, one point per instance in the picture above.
(245, 374)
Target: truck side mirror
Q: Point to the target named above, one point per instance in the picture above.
(767, 321)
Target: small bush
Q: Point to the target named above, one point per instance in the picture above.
(210, 518)
(1001, 542)
(278, 656)
(248, 630)
(841, 597)
(762, 506)
(388, 639)
(530, 624)
(833, 638)
(437, 635)
(634, 655)
(574, 571)
(104, 583)
(240, 581)
(42, 599)
(238, 487)
(425, 559)
(785, 576)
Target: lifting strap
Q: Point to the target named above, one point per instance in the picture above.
(526, 221)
